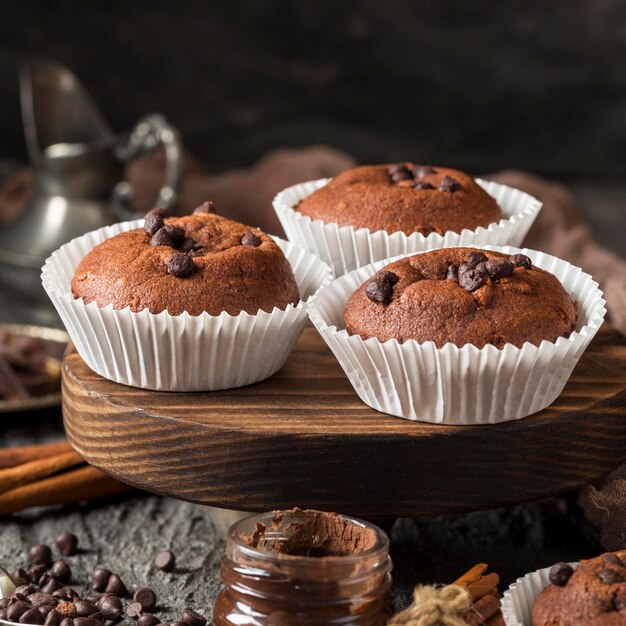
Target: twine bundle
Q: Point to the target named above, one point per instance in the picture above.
(435, 606)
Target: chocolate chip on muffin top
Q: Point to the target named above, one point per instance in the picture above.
(403, 197)
(460, 296)
(198, 263)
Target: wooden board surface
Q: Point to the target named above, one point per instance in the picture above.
(304, 438)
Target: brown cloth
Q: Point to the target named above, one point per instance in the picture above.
(246, 195)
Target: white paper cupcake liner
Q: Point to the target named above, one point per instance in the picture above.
(184, 352)
(345, 248)
(519, 598)
(455, 385)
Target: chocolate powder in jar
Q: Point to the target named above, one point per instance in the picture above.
(312, 534)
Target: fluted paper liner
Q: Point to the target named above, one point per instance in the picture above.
(519, 598)
(452, 385)
(184, 352)
(345, 248)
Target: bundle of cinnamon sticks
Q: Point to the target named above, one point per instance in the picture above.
(483, 588)
(48, 474)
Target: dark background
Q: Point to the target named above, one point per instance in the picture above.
(538, 84)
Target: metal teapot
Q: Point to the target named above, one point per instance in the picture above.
(78, 162)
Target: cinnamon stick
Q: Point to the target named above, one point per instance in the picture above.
(472, 575)
(10, 457)
(485, 586)
(84, 483)
(483, 610)
(34, 470)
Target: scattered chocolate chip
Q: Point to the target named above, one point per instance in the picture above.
(499, 268)
(67, 609)
(84, 608)
(152, 223)
(67, 543)
(250, 239)
(19, 597)
(176, 234)
(25, 590)
(116, 586)
(161, 213)
(16, 610)
(398, 172)
(161, 238)
(191, 618)
(148, 620)
(472, 279)
(421, 184)
(165, 560)
(40, 554)
(44, 579)
(44, 609)
(449, 184)
(38, 599)
(380, 288)
(189, 245)
(134, 609)
(481, 269)
(419, 171)
(521, 260)
(111, 607)
(560, 573)
(32, 616)
(67, 621)
(610, 576)
(98, 616)
(100, 578)
(474, 258)
(146, 597)
(61, 571)
(65, 593)
(51, 586)
(94, 598)
(180, 265)
(207, 207)
(452, 272)
(611, 557)
(53, 618)
(86, 621)
(36, 572)
(20, 576)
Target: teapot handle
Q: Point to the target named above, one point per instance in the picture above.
(149, 133)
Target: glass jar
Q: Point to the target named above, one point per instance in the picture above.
(279, 570)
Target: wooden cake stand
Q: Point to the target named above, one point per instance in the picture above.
(304, 438)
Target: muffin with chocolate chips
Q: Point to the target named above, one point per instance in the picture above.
(404, 197)
(198, 263)
(593, 594)
(461, 296)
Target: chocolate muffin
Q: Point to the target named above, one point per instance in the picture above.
(197, 263)
(460, 296)
(404, 198)
(594, 594)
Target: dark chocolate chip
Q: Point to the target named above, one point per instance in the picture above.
(165, 560)
(3, 613)
(481, 269)
(94, 598)
(19, 597)
(98, 616)
(65, 593)
(61, 571)
(250, 239)
(610, 576)
(452, 272)
(4, 602)
(152, 223)
(472, 279)
(20, 576)
(499, 268)
(25, 589)
(146, 597)
(161, 238)
(67, 543)
(191, 618)
(521, 260)
(449, 184)
(51, 586)
(67, 621)
(422, 184)
(188, 245)
(17, 609)
(32, 616)
(36, 572)
(40, 554)
(176, 234)
(44, 609)
(53, 618)
(180, 265)
(380, 288)
(86, 621)
(161, 213)
(110, 606)
(84, 608)
(39, 598)
(398, 172)
(116, 586)
(100, 578)
(134, 609)
(611, 557)
(148, 620)
(560, 573)
(419, 171)
(474, 258)
(207, 207)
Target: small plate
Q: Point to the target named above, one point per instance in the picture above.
(46, 400)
